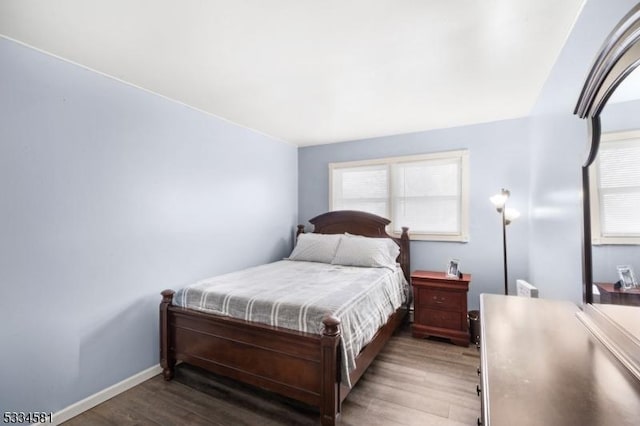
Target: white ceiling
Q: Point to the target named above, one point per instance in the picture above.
(313, 72)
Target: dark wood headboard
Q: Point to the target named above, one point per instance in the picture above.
(365, 224)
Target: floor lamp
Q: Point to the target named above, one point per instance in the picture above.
(508, 215)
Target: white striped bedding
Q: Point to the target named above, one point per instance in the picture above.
(297, 295)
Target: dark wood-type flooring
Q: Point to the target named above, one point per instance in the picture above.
(411, 382)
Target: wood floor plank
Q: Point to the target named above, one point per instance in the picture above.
(411, 382)
(433, 389)
(410, 416)
(259, 406)
(91, 417)
(216, 410)
(354, 414)
(404, 398)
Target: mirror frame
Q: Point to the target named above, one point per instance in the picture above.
(616, 59)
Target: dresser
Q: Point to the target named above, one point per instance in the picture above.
(541, 366)
(440, 306)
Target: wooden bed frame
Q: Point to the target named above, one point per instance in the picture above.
(301, 366)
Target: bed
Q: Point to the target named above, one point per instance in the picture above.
(306, 366)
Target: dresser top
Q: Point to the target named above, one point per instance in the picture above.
(541, 366)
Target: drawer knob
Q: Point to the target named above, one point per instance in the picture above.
(478, 371)
(478, 390)
(479, 422)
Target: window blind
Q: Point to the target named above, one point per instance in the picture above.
(619, 188)
(362, 188)
(427, 193)
(427, 196)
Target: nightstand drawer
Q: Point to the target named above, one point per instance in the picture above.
(441, 299)
(441, 319)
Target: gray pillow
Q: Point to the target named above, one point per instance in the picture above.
(369, 252)
(316, 247)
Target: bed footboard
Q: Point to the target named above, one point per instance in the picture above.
(301, 366)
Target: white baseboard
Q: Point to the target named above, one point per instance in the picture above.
(105, 394)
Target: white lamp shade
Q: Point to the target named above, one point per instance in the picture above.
(499, 200)
(510, 215)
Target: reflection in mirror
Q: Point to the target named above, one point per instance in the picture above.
(612, 78)
(615, 199)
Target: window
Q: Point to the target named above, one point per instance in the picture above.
(427, 193)
(615, 190)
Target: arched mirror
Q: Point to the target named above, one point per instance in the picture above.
(614, 186)
(610, 101)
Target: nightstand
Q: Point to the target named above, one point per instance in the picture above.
(440, 306)
(611, 295)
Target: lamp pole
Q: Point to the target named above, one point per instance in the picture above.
(500, 202)
(504, 248)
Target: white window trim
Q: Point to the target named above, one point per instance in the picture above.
(463, 155)
(594, 195)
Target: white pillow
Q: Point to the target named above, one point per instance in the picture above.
(370, 252)
(316, 247)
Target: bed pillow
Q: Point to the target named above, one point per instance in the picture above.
(369, 252)
(316, 247)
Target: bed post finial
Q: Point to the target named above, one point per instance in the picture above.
(331, 326)
(167, 296)
(167, 360)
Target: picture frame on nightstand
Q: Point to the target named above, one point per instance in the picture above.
(627, 278)
(453, 268)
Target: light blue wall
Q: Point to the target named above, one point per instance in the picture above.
(558, 141)
(555, 247)
(498, 154)
(108, 195)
